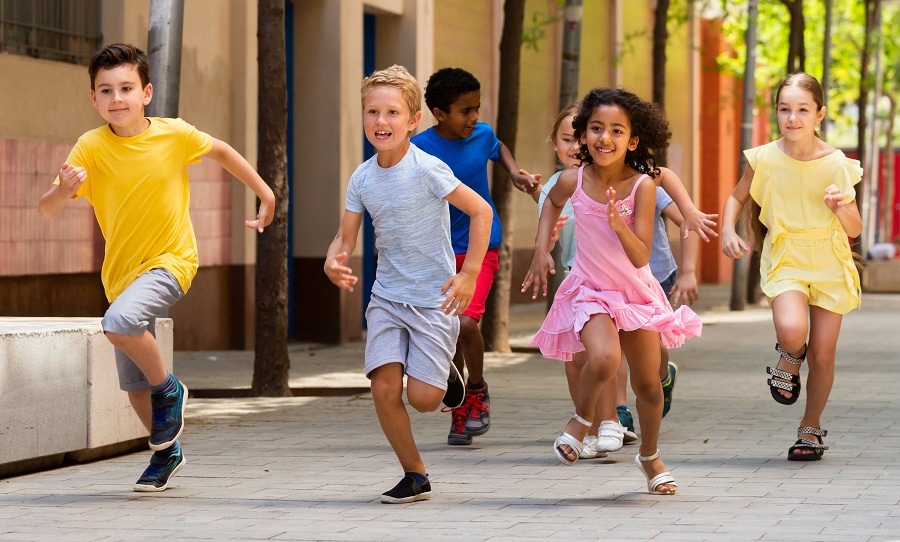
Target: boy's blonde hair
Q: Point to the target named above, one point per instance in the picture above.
(398, 77)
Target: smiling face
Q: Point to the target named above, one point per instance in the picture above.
(798, 113)
(460, 121)
(387, 121)
(608, 135)
(565, 144)
(120, 100)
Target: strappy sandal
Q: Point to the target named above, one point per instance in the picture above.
(565, 439)
(817, 448)
(658, 480)
(787, 381)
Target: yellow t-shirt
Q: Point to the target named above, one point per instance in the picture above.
(138, 187)
(805, 241)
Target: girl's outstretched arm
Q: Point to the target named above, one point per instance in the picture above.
(694, 219)
(637, 243)
(847, 212)
(732, 245)
(686, 281)
(542, 263)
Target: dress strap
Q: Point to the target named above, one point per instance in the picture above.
(636, 183)
(580, 173)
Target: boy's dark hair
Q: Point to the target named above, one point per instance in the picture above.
(116, 55)
(446, 85)
(648, 124)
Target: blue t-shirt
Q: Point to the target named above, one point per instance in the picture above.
(467, 158)
(662, 263)
(412, 225)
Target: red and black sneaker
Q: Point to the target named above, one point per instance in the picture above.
(458, 436)
(478, 418)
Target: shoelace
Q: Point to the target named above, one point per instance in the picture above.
(459, 417)
(478, 406)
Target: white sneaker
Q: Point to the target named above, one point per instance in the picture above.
(611, 436)
(590, 448)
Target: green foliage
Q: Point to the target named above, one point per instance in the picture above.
(846, 46)
(533, 33)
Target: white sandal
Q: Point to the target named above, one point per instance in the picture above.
(568, 440)
(659, 479)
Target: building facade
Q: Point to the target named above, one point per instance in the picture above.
(53, 268)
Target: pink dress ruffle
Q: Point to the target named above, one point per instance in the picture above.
(577, 300)
(629, 295)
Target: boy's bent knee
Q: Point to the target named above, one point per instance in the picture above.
(468, 326)
(423, 397)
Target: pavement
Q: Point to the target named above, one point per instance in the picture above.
(312, 467)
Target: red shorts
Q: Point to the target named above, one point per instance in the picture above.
(483, 283)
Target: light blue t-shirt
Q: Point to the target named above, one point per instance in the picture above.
(467, 158)
(412, 225)
(662, 263)
(567, 235)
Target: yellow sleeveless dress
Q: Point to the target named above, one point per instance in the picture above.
(806, 248)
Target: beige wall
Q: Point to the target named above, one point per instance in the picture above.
(44, 100)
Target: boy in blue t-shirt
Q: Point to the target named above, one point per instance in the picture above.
(454, 97)
(418, 292)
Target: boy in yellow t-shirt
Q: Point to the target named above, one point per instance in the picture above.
(133, 171)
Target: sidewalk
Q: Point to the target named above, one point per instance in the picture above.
(312, 468)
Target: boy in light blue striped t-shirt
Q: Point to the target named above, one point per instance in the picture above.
(412, 323)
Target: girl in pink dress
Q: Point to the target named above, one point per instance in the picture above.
(610, 302)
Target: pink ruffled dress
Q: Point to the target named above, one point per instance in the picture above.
(604, 281)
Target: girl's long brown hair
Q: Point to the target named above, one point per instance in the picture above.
(809, 83)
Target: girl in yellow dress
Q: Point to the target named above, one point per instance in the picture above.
(802, 211)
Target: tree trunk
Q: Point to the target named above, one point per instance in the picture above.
(271, 364)
(740, 266)
(866, 83)
(887, 174)
(826, 61)
(796, 61)
(568, 94)
(660, 37)
(495, 326)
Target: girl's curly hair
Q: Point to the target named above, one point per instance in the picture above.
(648, 124)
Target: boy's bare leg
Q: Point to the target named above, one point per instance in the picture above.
(471, 343)
(144, 352)
(387, 392)
(663, 363)
(140, 402)
(622, 383)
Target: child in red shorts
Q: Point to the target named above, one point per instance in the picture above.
(454, 97)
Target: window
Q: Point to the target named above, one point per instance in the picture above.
(63, 30)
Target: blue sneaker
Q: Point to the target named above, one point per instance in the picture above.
(162, 468)
(626, 421)
(168, 416)
(668, 387)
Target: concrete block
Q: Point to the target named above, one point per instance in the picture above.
(43, 388)
(59, 389)
(881, 276)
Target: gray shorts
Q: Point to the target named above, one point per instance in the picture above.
(134, 312)
(422, 339)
